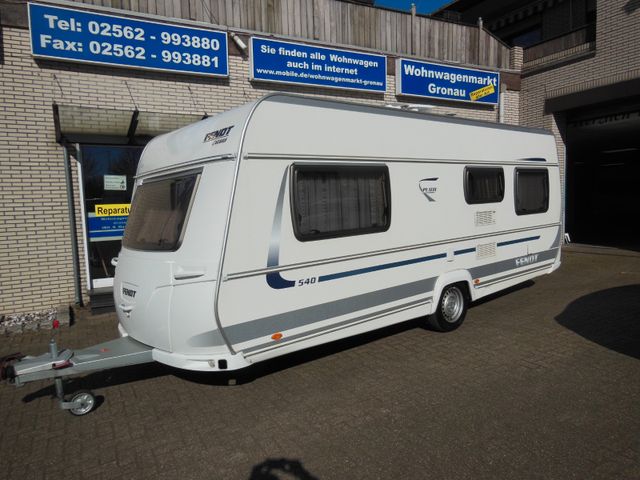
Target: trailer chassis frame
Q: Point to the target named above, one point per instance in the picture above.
(57, 364)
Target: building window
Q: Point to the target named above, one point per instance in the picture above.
(531, 190)
(527, 38)
(483, 185)
(336, 201)
(159, 213)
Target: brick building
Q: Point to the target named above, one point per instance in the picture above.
(580, 79)
(67, 125)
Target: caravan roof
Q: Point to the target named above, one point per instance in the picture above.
(286, 124)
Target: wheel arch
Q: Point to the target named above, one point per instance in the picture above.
(449, 278)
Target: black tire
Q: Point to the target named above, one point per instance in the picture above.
(452, 308)
(87, 400)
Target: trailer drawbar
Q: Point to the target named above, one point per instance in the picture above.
(56, 364)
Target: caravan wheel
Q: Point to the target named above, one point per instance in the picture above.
(452, 308)
(85, 402)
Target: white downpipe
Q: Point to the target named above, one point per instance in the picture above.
(83, 213)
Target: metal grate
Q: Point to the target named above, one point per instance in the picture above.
(485, 251)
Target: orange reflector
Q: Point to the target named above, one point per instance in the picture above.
(476, 281)
(276, 336)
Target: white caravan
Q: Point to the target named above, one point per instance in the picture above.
(294, 221)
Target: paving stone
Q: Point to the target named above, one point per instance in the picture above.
(539, 383)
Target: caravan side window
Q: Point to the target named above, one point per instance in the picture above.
(483, 185)
(336, 201)
(532, 190)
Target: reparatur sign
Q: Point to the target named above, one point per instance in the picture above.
(107, 221)
(112, 209)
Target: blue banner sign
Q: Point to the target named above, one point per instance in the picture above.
(88, 37)
(299, 63)
(433, 80)
(106, 228)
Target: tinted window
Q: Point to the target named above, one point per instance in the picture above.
(333, 201)
(159, 213)
(483, 185)
(527, 38)
(532, 191)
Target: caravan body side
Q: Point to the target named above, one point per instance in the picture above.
(278, 294)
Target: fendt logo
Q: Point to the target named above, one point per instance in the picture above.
(218, 136)
(528, 260)
(128, 292)
(428, 187)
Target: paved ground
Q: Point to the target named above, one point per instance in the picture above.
(543, 382)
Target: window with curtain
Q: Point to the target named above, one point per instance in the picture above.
(532, 190)
(483, 185)
(335, 201)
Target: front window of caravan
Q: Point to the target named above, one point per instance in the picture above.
(159, 213)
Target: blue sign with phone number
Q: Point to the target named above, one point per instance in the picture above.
(82, 36)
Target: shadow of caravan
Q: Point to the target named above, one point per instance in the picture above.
(281, 468)
(291, 222)
(608, 318)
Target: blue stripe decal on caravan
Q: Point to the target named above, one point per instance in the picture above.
(519, 240)
(360, 271)
(275, 280)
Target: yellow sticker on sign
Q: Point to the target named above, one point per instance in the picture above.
(113, 210)
(482, 92)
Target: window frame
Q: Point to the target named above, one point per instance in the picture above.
(146, 181)
(332, 167)
(467, 193)
(515, 189)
